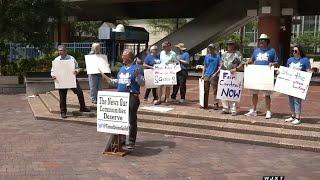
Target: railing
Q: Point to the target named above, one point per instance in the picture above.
(20, 51)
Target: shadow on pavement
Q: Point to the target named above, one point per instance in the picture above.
(151, 148)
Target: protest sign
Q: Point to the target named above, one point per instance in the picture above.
(293, 82)
(230, 85)
(96, 62)
(64, 73)
(259, 77)
(113, 112)
(149, 78)
(166, 74)
(201, 92)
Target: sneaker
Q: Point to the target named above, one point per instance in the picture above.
(268, 115)
(216, 106)
(173, 100)
(233, 113)
(130, 146)
(290, 119)
(224, 111)
(296, 122)
(182, 100)
(145, 99)
(157, 102)
(63, 115)
(85, 109)
(251, 113)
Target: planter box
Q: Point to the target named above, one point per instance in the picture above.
(9, 80)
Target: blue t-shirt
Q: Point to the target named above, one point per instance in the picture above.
(151, 59)
(211, 62)
(126, 79)
(186, 57)
(264, 57)
(301, 64)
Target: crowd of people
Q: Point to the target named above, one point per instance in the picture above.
(130, 78)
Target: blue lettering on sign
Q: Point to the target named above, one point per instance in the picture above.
(231, 93)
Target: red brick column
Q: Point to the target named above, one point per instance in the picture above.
(62, 33)
(270, 25)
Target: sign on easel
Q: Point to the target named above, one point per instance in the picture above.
(113, 112)
(113, 118)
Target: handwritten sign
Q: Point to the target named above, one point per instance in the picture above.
(201, 92)
(293, 82)
(96, 62)
(259, 77)
(64, 73)
(230, 86)
(166, 74)
(113, 112)
(149, 78)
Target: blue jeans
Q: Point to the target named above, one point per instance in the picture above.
(95, 85)
(295, 104)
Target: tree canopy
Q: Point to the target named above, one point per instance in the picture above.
(26, 21)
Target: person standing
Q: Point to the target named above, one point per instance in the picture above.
(167, 56)
(232, 61)
(95, 79)
(300, 62)
(264, 55)
(149, 62)
(210, 73)
(129, 79)
(182, 75)
(63, 56)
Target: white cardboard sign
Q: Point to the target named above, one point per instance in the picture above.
(64, 73)
(166, 74)
(293, 82)
(149, 78)
(259, 77)
(96, 62)
(230, 86)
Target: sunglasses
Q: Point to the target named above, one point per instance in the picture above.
(262, 40)
(294, 51)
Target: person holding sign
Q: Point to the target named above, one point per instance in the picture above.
(210, 71)
(129, 79)
(300, 62)
(182, 75)
(264, 55)
(95, 79)
(63, 56)
(149, 61)
(232, 61)
(167, 56)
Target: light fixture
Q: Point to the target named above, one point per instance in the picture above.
(119, 28)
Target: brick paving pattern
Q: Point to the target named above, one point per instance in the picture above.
(31, 149)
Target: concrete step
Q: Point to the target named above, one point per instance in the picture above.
(41, 113)
(232, 127)
(231, 136)
(72, 99)
(52, 105)
(191, 113)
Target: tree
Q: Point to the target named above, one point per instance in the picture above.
(82, 30)
(167, 25)
(26, 21)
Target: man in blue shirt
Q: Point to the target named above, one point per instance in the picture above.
(264, 55)
(151, 59)
(129, 79)
(210, 72)
(182, 75)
